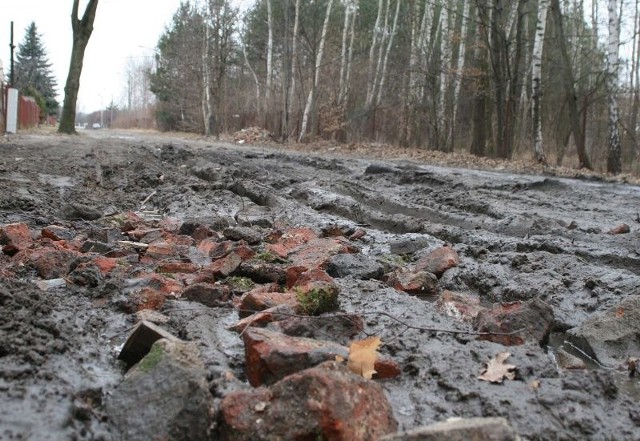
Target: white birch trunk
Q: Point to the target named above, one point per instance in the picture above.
(294, 55)
(613, 161)
(343, 53)
(347, 82)
(253, 73)
(458, 67)
(268, 82)
(536, 77)
(206, 83)
(386, 55)
(311, 98)
(445, 51)
(372, 52)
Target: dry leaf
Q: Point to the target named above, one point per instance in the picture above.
(363, 355)
(534, 385)
(497, 370)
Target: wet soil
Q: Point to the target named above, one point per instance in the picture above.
(518, 236)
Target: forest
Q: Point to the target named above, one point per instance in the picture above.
(550, 80)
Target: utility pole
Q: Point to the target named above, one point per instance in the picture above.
(12, 47)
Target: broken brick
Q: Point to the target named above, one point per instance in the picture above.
(226, 265)
(438, 261)
(15, 237)
(323, 402)
(56, 232)
(419, 283)
(532, 319)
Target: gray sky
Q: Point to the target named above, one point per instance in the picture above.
(122, 29)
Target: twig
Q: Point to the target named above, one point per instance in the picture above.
(153, 193)
(342, 314)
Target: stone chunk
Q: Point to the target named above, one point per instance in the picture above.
(460, 306)
(226, 265)
(438, 261)
(533, 319)
(271, 356)
(15, 237)
(165, 396)
(419, 283)
(324, 402)
(459, 429)
(611, 337)
(56, 232)
(355, 265)
(208, 294)
(248, 234)
(139, 342)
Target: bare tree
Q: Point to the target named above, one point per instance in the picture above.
(536, 74)
(613, 160)
(82, 29)
(569, 87)
(311, 99)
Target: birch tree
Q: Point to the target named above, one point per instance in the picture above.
(613, 159)
(458, 67)
(310, 106)
(269, 78)
(536, 74)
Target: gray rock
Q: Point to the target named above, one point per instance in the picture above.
(249, 235)
(410, 245)
(356, 265)
(459, 429)
(165, 396)
(374, 169)
(207, 293)
(611, 337)
(76, 210)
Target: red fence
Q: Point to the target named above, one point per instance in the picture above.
(28, 112)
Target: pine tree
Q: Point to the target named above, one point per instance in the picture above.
(33, 70)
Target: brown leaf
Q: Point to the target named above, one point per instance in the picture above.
(497, 370)
(363, 355)
(534, 385)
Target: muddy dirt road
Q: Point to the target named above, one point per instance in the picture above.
(519, 238)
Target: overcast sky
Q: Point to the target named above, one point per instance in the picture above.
(122, 29)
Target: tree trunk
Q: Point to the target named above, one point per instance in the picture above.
(268, 81)
(569, 87)
(386, 54)
(82, 30)
(372, 58)
(310, 106)
(479, 109)
(515, 71)
(458, 71)
(294, 57)
(445, 56)
(286, 76)
(343, 53)
(207, 113)
(536, 74)
(613, 161)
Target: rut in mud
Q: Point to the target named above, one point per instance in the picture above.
(519, 237)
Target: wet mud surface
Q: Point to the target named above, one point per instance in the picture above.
(519, 237)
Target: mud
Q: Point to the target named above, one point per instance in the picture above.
(518, 237)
